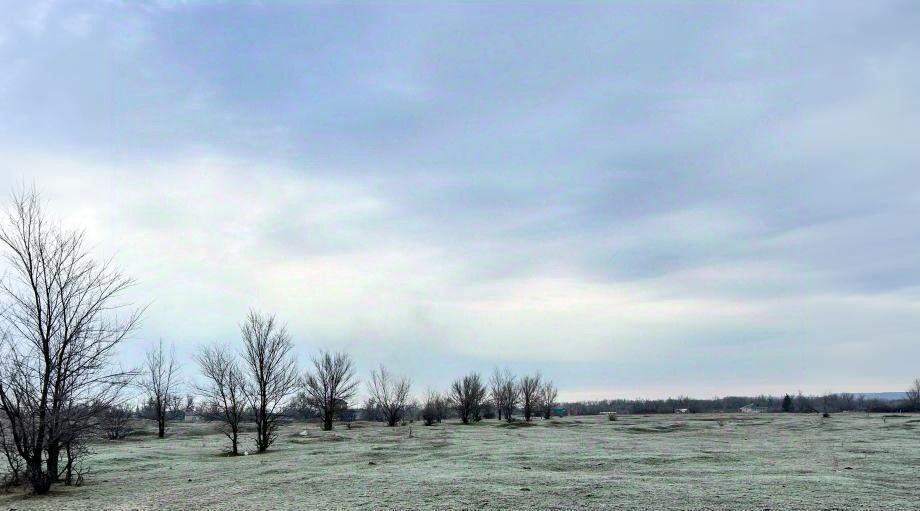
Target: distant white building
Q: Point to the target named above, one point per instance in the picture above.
(682, 410)
(751, 408)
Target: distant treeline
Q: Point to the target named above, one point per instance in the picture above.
(798, 403)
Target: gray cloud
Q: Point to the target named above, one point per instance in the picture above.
(668, 181)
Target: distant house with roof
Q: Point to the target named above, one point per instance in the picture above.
(752, 408)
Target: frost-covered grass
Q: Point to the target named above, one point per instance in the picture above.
(850, 461)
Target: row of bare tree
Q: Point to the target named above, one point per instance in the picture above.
(504, 392)
(327, 388)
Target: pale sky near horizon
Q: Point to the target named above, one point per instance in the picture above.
(637, 199)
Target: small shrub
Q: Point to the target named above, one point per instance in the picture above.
(612, 417)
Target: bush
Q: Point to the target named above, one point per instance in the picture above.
(612, 416)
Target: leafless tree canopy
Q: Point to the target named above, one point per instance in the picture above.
(548, 395)
(223, 389)
(330, 385)
(390, 394)
(160, 382)
(467, 395)
(60, 323)
(272, 374)
(529, 390)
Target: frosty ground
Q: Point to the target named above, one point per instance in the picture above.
(763, 461)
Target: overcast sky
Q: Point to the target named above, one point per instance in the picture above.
(638, 200)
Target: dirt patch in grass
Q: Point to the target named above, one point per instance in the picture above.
(516, 424)
(664, 428)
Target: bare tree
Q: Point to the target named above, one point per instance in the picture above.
(390, 394)
(76, 452)
(224, 389)
(511, 394)
(529, 390)
(430, 407)
(116, 422)
(503, 391)
(441, 407)
(272, 373)
(372, 410)
(330, 385)
(189, 405)
(15, 464)
(548, 395)
(913, 395)
(160, 383)
(467, 394)
(61, 321)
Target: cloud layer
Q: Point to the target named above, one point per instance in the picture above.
(640, 200)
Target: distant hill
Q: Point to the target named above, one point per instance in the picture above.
(886, 396)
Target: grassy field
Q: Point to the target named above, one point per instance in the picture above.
(777, 462)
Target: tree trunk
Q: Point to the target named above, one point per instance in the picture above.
(54, 455)
(499, 410)
(39, 480)
(68, 478)
(261, 435)
(262, 425)
(161, 427)
(327, 421)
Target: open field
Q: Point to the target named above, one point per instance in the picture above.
(850, 461)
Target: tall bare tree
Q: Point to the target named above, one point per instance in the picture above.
(913, 395)
(548, 395)
(390, 394)
(61, 321)
(529, 390)
(467, 394)
(330, 385)
(160, 382)
(224, 389)
(272, 373)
